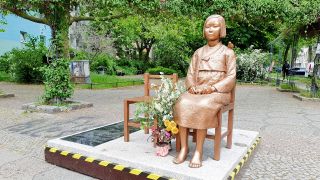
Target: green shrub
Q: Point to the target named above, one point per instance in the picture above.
(127, 70)
(80, 55)
(173, 52)
(142, 66)
(4, 76)
(139, 65)
(24, 64)
(250, 65)
(106, 61)
(159, 69)
(57, 82)
(4, 62)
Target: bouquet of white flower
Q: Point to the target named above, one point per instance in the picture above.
(161, 107)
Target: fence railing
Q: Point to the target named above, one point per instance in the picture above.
(115, 84)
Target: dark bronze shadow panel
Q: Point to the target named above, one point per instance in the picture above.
(99, 135)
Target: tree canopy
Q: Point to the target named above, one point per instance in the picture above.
(2, 22)
(60, 14)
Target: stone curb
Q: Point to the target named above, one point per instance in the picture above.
(287, 90)
(97, 168)
(301, 98)
(33, 107)
(6, 95)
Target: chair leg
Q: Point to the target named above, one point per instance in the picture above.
(146, 128)
(155, 125)
(217, 138)
(126, 121)
(230, 129)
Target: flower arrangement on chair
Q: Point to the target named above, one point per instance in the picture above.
(161, 109)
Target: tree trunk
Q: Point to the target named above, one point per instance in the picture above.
(60, 21)
(314, 85)
(60, 41)
(285, 54)
(310, 53)
(146, 58)
(139, 49)
(294, 50)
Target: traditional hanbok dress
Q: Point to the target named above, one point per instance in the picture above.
(210, 66)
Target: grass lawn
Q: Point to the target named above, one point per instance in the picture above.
(308, 94)
(98, 81)
(306, 80)
(107, 81)
(289, 87)
(301, 79)
(5, 77)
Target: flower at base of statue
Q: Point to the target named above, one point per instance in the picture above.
(166, 122)
(171, 126)
(161, 109)
(175, 130)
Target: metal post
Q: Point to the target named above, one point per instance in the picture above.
(271, 55)
(279, 60)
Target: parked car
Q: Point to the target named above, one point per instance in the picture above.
(297, 71)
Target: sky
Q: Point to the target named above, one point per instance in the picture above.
(11, 37)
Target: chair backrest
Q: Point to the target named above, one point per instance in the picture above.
(147, 77)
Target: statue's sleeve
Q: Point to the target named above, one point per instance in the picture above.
(227, 84)
(192, 72)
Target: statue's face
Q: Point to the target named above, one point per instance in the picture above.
(212, 29)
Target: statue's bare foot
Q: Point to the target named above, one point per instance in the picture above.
(196, 161)
(181, 157)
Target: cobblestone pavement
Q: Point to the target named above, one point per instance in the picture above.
(290, 131)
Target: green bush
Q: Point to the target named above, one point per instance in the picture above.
(80, 55)
(172, 52)
(157, 70)
(4, 76)
(139, 65)
(57, 82)
(5, 63)
(250, 65)
(106, 61)
(127, 70)
(24, 64)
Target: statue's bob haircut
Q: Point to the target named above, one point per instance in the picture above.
(223, 31)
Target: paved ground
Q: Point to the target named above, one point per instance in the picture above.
(290, 131)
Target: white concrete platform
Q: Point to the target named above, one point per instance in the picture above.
(140, 154)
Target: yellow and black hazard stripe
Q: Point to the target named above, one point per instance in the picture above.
(97, 162)
(243, 160)
(63, 158)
